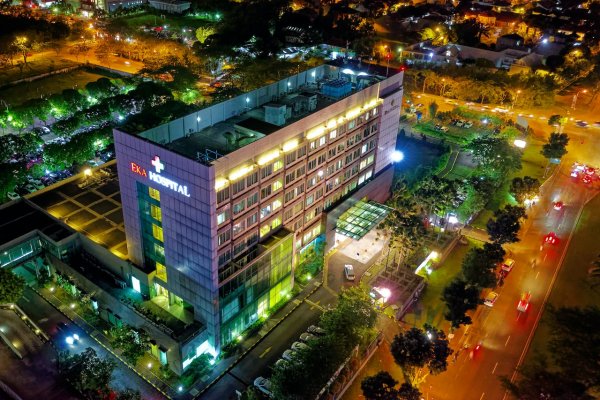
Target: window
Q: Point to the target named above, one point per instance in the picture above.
(333, 134)
(222, 195)
(238, 186)
(289, 195)
(277, 204)
(311, 182)
(277, 165)
(266, 191)
(161, 272)
(341, 147)
(289, 178)
(301, 151)
(312, 164)
(224, 237)
(265, 229)
(373, 128)
(222, 217)
(319, 193)
(309, 200)
(288, 214)
(321, 159)
(135, 283)
(275, 223)
(159, 250)
(238, 228)
(351, 124)
(374, 111)
(332, 153)
(265, 211)
(322, 140)
(312, 145)
(239, 207)
(300, 172)
(252, 200)
(157, 233)
(252, 179)
(251, 220)
(154, 194)
(277, 185)
(224, 257)
(266, 171)
(252, 239)
(238, 248)
(156, 212)
(290, 158)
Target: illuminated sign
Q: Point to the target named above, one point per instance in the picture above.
(158, 178)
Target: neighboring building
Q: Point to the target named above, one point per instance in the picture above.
(510, 41)
(217, 203)
(170, 6)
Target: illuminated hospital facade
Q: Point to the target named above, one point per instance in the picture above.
(217, 203)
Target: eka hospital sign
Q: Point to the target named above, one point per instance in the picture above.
(156, 177)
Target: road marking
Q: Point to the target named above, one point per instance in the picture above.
(482, 394)
(545, 255)
(314, 305)
(538, 274)
(507, 341)
(264, 353)
(495, 366)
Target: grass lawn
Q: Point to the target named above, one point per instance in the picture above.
(572, 288)
(36, 67)
(456, 135)
(174, 22)
(460, 172)
(533, 165)
(430, 309)
(17, 94)
(418, 156)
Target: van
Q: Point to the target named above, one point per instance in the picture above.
(349, 272)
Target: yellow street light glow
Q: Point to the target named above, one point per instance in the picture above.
(220, 183)
(87, 172)
(270, 156)
(520, 143)
(290, 145)
(315, 132)
(353, 113)
(240, 172)
(340, 120)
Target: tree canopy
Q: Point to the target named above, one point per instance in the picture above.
(460, 297)
(524, 188)
(495, 156)
(11, 286)
(505, 225)
(556, 147)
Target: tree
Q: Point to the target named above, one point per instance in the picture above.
(538, 382)
(380, 386)
(524, 188)
(433, 108)
(495, 156)
(479, 270)
(416, 349)
(25, 46)
(409, 392)
(460, 297)
(133, 343)
(557, 120)
(129, 394)
(101, 88)
(11, 286)
(556, 147)
(505, 227)
(203, 32)
(87, 372)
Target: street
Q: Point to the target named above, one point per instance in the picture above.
(47, 318)
(503, 332)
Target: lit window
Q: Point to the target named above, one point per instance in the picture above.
(159, 250)
(277, 165)
(275, 223)
(155, 194)
(276, 204)
(135, 282)
(161, 272)
(156, 212)
(333, 134)
(264, 230)
(277, 185)
(157, 233)
(222, 217)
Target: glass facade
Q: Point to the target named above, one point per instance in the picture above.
(151, 227)
(21, 252)
(248, 295)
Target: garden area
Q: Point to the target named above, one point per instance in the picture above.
(171, 21)
(35, 67)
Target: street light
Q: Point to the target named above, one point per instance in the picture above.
(397, 156)
(516, 98)
(575, 98)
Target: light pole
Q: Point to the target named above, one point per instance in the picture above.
(516, 98)
(443, 87)
(575, 98)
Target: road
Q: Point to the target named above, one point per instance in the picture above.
(46, 317)
(503, 331)
(259, 361)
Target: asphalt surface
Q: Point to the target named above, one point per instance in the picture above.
(259, 361)
(47, 318)
(503, 332)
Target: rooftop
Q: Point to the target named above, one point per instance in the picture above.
(222, 128)
(90, 205)
(20, 218)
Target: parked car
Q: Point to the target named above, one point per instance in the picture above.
(288, 355)
(508, 265)
(468, 124)
(349, 272)
(315, 330)
(12, 195)
(490, 299)
(444, 129)
(70, 336)
(264, 385)
(306, 337)
(460, 123)
(297, 346)
(30, 188)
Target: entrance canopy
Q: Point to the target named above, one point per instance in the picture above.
(359, 219)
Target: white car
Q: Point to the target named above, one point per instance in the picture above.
(288, 355)
(349, 272)
(508, 265)
(315, 330)
(468, 124)
(307, 337)
(264, 385)
(490, 299)
(296, 346)
(12, 195)
(30, 188)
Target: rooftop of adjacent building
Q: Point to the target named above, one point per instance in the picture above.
(91, 205)
(222, 128)
(21, 217)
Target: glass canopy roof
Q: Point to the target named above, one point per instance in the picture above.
(359, 219)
